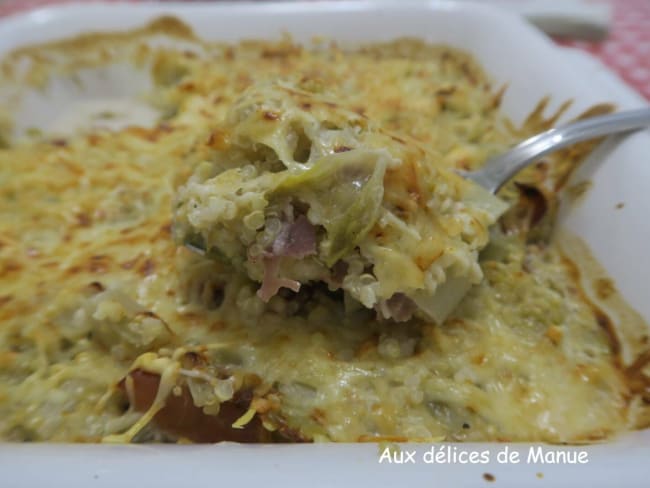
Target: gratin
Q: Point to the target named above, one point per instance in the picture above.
(112, 331)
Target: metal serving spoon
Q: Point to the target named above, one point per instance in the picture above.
(497, 171)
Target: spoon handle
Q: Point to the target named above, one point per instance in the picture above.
(497, 171)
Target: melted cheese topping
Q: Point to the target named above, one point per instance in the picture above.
(93, 286)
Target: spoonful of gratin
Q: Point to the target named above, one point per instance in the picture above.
(304, 191)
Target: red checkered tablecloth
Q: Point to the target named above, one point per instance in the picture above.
(626, 50)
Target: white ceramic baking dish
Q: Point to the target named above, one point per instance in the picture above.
(512, 52)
